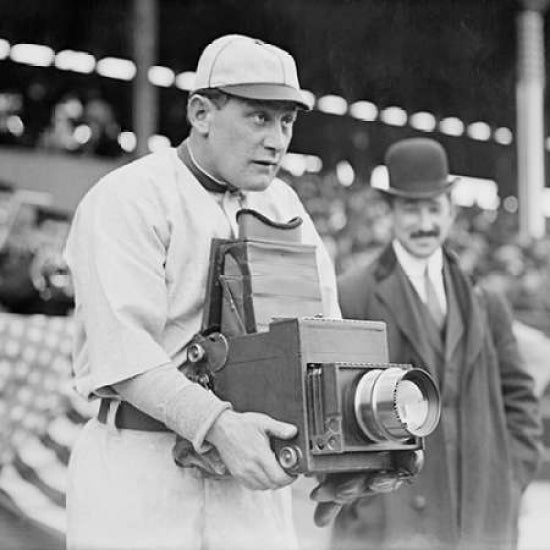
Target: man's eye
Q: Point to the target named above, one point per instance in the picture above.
(288, 121)
(259, 118)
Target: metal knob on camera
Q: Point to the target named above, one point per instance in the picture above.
(195, 352)
(289, 457)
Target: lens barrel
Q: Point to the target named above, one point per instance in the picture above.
(395, 404)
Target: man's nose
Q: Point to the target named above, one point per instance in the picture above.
(426, 221)
(275, 138)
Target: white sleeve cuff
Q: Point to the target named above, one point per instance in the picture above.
(192, 412)
(168, 396)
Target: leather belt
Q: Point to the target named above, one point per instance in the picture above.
(129, 418)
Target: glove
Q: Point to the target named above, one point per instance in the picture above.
(209, 463)
(337, 490)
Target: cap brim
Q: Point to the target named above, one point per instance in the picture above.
(419, 194)
(267, 92)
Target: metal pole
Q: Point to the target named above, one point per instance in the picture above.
(145, 96)
(530, 117)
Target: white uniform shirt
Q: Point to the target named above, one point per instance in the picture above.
(139, 250)
(415, 269)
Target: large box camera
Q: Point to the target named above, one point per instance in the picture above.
(265, 348)
(331, 379)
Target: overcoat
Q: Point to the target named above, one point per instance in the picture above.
(490, 399)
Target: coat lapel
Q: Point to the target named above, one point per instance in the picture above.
(470, 311)
(455, 327)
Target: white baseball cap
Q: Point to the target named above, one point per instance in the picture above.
(249, 68)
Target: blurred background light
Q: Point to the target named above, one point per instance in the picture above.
(127, 141)
(394, 116)
(314, 164)
(294, 163)
(32, 54)
(480, 131)
(332, 104)
(78, 62)
(186, 80)
(4, 48)
(510, 204)
(345, 173)
(82, 133)
(481, 192)
(363, 110)
(116, 67)
(423, 121)
(298, 164)
(503, 136)
(161, 76)
(15, 125)
(451, 126)
(380, 178)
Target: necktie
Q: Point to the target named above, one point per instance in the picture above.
(432, 301)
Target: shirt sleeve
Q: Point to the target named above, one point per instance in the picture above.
(167, 395)
(116, 253)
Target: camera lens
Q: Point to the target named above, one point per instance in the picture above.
(412, 405)
(394, 404)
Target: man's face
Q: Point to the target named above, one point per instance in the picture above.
(247, 141)
(422, 225)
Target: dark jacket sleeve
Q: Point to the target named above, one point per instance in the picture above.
(520, 403)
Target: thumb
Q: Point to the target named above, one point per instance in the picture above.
(325, 512)
(281, 430)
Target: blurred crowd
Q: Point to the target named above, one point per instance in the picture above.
(75, 123)
(354, 224)
(33, 276)
(351, 219)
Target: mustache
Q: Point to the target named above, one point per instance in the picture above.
(431, 233)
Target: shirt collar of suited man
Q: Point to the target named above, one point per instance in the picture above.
(415, 268)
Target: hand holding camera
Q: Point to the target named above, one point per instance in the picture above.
(242, 441)
(209, 462)
(340, 489)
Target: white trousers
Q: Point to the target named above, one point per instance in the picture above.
(125, 493)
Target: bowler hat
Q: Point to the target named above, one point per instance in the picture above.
(249, 68)
(417, 169)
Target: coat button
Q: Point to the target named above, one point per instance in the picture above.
(419, 502)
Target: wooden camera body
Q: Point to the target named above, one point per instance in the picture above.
(265, 347)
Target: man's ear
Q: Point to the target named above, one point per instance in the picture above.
(199, 113)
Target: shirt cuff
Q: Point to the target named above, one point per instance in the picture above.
(169, 396)
(194, 413)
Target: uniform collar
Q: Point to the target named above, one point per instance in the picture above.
(205, 179)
